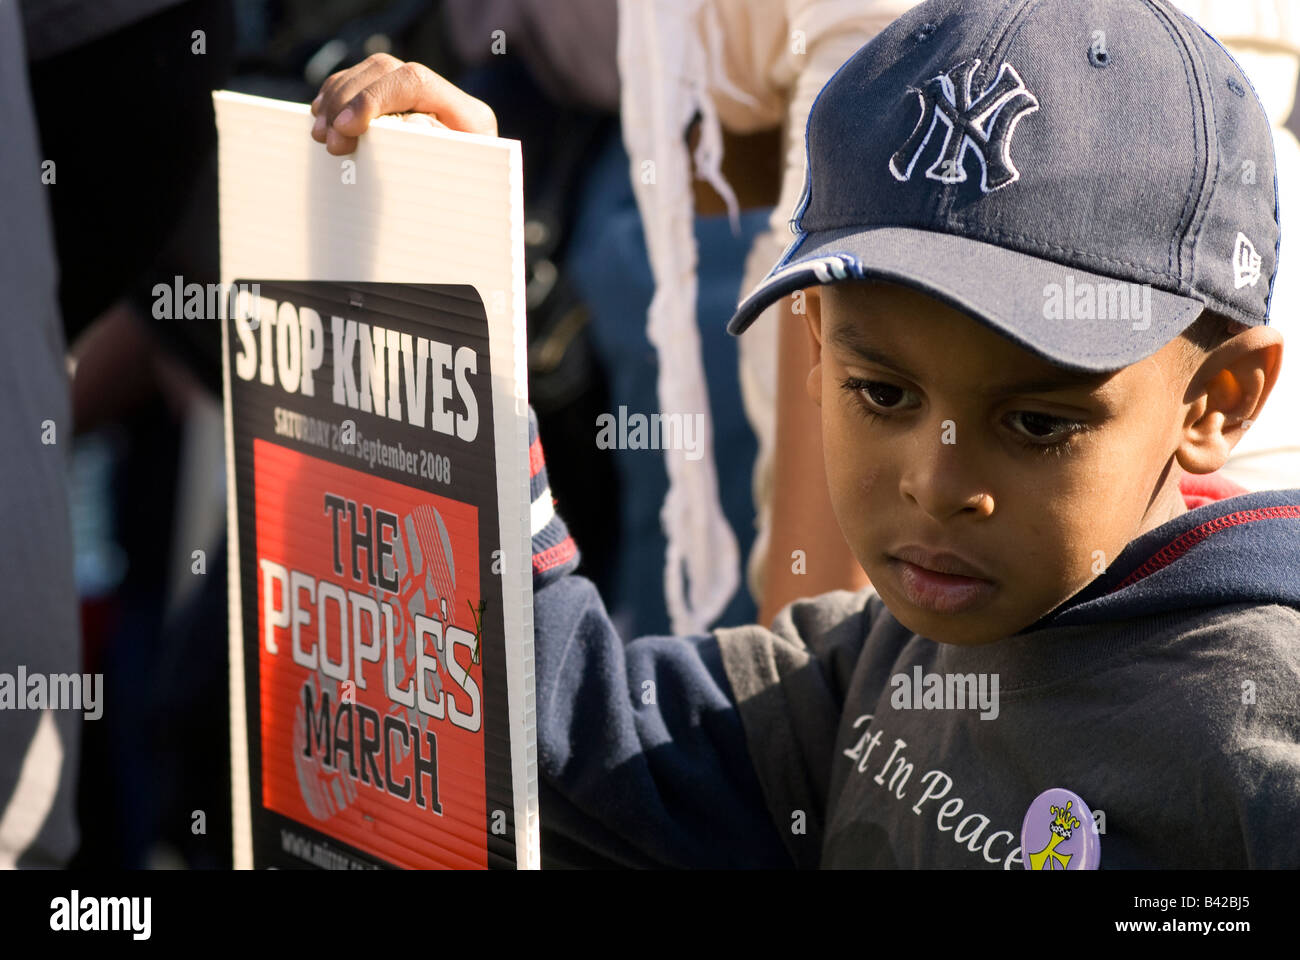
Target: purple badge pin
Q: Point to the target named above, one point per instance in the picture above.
(1059, 833)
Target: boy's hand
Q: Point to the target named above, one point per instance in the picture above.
(380, 84)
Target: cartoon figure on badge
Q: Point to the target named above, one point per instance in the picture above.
(1062, 826)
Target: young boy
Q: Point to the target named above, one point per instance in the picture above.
(1037, 277)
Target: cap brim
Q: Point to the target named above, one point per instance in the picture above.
(1009, 291)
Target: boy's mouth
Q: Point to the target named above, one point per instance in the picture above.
(939, 582)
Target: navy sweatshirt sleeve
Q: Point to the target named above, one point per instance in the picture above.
(642, 757)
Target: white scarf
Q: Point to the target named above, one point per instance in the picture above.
(666, 74)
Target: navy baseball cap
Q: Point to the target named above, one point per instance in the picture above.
(1083, 176)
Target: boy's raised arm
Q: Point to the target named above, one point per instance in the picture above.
(641, 751)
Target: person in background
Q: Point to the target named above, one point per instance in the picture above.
(39, 749)
(570, 49)
(124, 220)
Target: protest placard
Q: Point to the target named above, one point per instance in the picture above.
(372, 313)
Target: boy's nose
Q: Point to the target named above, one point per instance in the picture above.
(944, 481)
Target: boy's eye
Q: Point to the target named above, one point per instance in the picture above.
(1042, 428)
(882, 396)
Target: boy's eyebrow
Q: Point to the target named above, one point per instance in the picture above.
(847, 337)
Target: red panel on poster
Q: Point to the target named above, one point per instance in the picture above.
(357, 741)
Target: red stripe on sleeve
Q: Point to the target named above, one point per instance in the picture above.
(561, 553)
(535, 459)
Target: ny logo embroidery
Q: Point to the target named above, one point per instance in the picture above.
(983, 125)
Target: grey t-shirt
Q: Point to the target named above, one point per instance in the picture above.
(1180, 730)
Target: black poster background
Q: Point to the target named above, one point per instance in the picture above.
(452, 314)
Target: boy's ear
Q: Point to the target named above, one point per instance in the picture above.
(813, 315)
(1226, 395)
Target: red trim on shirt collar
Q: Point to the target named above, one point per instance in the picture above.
(1180, 545)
